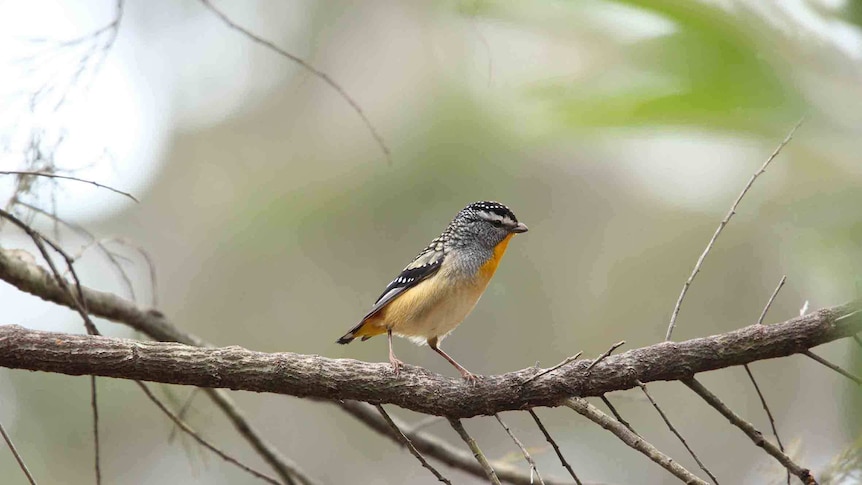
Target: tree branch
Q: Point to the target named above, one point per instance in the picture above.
(417, 389)
(18, 269)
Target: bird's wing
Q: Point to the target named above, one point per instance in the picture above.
(423, 266)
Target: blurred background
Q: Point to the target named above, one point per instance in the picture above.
(619, 131)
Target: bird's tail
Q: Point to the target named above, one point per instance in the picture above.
(363, 329)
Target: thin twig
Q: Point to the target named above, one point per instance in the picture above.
(771, 299)
(565, 362)
(832, 366)
(286, 468)
(606, 354)
(94, 404)
(533, 468)
(81, 231)
(721, 225)
(308, 67)
(184, 408)
(206, 444)
(409, 445)
(554, 445)
(68, 177)
(80, 305)
(756, 436)
(434, 447)
(675, 432)
(768, 413)
(617, 414)
(477, 453)
(754, 381)
(17, 455)
(594, 414)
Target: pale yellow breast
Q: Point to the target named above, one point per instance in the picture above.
(434, 307)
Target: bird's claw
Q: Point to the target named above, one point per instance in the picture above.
(469, 377)
(396, 365)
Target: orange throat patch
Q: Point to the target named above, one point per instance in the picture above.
(487, 270)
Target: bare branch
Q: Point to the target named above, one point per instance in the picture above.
(433, 446)
(17, 456)
(677, 433)
(832, 366)
(754, 381)
(721, 225)
(417, 389)
(584, 408)
(79, 303)
(206, 444)
(554, 445)
(286, 469)
(67, 177)
(406, 442)
(474, 447)
(756, 436)
(533, 468)
(308, 67)
(31, 278)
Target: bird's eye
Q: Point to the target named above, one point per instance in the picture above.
(497, 223)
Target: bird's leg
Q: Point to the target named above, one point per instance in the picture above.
(396, 364)
(467, 375)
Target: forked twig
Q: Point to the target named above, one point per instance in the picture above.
(409, 445)
(676, 433)
(594, 414)
(474, 447)
(530, 461)
(68, 177)
(756, 436)
(605, 355)
(721, 225)
(80, 305)
(17, 456)
(565, 362)
(554, 445)
(308, 67)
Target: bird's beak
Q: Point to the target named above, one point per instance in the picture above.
(521, 227)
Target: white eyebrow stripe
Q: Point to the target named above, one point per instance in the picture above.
(491, 216)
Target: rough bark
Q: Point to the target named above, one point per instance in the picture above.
(416, 389)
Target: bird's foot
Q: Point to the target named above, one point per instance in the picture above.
(396, 365)
(469, 377)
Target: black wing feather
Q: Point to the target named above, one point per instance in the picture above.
(423, 266)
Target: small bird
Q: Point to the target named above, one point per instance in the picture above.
(439, 288)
